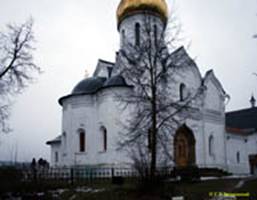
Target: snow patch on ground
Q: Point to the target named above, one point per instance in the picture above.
(54, 193)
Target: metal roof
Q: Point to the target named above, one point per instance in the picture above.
(116, 81)
(242, 119)
(89, 85)
(56, 140)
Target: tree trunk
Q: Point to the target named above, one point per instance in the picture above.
(154, 135)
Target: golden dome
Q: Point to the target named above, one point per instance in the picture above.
(129, 6)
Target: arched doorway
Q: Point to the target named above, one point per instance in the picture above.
(184, 147)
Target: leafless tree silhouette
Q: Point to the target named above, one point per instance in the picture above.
(150, 68)
(17, 65)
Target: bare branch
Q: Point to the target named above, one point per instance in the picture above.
(16, 64)
(151, 69)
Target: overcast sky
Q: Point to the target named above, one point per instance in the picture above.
(73, 34)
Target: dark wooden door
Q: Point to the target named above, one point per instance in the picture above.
(184, 147)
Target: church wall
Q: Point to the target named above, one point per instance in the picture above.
(214, 125)
(111, 116)
(213, 100)
(214, 136)
(188, 76)
(237, 144)
(214, 95)
(90, 112)
(102, 69)
(103, 72)
(56, 149)
(208, 121)
(196, 128)
(128, 27)
(202, 132)
(252, 144)
(208, 118)
(78, 114)
(66, 128)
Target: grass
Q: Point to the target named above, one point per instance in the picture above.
(162, 191)
(132, 190)
(250, 186)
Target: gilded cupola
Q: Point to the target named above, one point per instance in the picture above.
(128, 7)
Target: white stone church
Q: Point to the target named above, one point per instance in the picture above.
(209, 138)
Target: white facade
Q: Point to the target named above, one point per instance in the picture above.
(90, 113)
(92, 117)
(239, 148)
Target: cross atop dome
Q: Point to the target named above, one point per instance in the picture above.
(253, 101)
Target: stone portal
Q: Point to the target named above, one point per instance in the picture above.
(184, 147)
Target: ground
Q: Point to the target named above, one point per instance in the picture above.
(133, 190)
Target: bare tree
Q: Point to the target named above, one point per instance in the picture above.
(16, 65)
(149, 66)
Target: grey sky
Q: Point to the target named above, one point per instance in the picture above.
(73, 34)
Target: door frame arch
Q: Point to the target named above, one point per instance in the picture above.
(184, 147)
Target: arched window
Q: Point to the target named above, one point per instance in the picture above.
(211, 145)
(155, 34)
(104, 138)
(123, 34)
(238, 157)
(182, 92)
(137, 34)
(64, 142)
(56, 157)
(82, 140)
